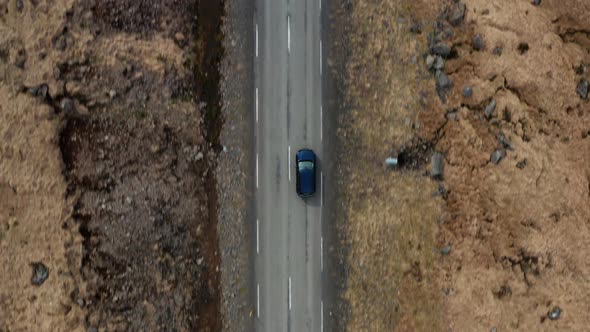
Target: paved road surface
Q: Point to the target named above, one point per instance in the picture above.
(289, 261)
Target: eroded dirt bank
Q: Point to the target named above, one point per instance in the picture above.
(126, 224)
(499, 238)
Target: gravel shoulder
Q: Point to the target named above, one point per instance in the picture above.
(234, 169)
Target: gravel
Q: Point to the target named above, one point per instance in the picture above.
(457, 13)
(582, 89)
(429, 61)
(506, 144)
(478, 43)
(536, 2)
(489, 110)
(439, 63)
(497, 156)
(467, 92)
(441, 49)
(522, 164)
(443, 82)
(40, 273)
(437, 166)
(554, 313)
(445, 250)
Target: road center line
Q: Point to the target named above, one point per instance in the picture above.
(289, 33)
(257, 171)
(289, 293)
(322, 315)
(257, 238)
(320, 56)
(289, 163)
(321, 123)
(322, 253)
(256, 39)
(258, 300)
(322, 188)
(256, 105)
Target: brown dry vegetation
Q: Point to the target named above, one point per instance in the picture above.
(518, 230)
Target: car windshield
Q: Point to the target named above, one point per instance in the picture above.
(305, 165)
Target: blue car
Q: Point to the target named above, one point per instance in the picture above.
(305, 164)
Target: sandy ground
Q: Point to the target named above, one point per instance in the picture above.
(494, 244)
(105, 169)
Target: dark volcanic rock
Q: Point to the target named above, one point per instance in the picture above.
(40, 273)
(457, 13)
(441, 49)
(582, 89)
(478, 43)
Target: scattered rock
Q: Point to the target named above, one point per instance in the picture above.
(497, 51)
(112, 94)
(20, 5)
(522, 164)
(439, 63)
(179, 37)
(467, 92)
(445, 250)
(489, 110)
(506, 144)
(441, 49)
(457, 13)
(485, 12)
(478, 43)
(68, 106)
(40, 273)
(536, 2)
(437, 166)
(497, 156)
(429, 61)
(554, 313)
(39, 91)
(582, 89)
(443, 82)
(199, 156)
(415, 28)
(20, 59)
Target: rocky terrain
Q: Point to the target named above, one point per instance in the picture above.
(110, 127)
(483, 225)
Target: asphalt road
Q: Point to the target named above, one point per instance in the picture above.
(288, 106)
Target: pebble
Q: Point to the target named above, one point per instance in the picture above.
(489, 110)
(478, 43)
(443, 82)
(457, 13)
(439, 63)
(179, 37)
(467, 92)
(429, 61)
(497, 156)
(20, 5)
(437, 166)
(445, 250)
(199, 156)
(555, 313)
(68, 106)
(112, 94)
(582, 89)
(40, 274)
(522, 164)
(441, 49)
(415, 28)
(505, 142)
(497, 51)
(536, 2)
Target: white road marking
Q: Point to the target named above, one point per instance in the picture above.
(257, 171)
(257, 238)
(289, 33)
(322, 188)
(320, 56)
(321, 123)
(258, 300)
(289, 163)
(256, 105)
(322, 315)
(322, 253)
(256, 39)
(289, 293)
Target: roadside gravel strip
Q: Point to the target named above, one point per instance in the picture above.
(235, 167)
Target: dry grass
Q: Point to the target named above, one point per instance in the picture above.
(392, 217)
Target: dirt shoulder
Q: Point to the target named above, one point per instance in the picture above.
(498, 239)
(107, 166)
